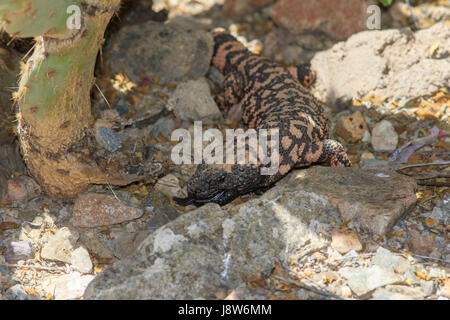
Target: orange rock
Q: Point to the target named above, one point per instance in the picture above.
(352, 127)
(344, 241)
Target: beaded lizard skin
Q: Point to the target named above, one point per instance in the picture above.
(271, 97)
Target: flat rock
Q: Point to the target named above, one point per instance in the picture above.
(396, 292)
(372, 198)
(192, 101)
(213, 248)
(337, 19)
(60, 246)
(386, 259)
(387, 63)
(95, 209)
(170, 51)
(66, 287)
(364, 281)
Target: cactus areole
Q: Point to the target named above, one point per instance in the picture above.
(53, 100)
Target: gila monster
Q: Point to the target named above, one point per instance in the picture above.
(271, 97)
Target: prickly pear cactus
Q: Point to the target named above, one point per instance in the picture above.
(9, 65)
(54, 90)
(25, 18)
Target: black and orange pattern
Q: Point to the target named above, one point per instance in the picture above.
(271, 97)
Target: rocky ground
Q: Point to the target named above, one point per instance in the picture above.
(379, 230)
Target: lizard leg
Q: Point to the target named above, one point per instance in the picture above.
(303, 74)
(234, 88)
(334, 154)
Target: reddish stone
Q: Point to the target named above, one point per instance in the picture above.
(93, 209)
(338, 19)
(421, 244)
(21, 188)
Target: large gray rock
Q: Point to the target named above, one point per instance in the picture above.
(172, 51)
(213, 248)
(389, 63)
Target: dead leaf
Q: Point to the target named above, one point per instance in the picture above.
(32, 292)
(421, 275)
(98, 269)
(8, 226)
(429, 222)
(433, 48)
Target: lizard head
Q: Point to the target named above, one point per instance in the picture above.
(220, 183)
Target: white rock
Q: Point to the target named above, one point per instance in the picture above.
(397, 293)
(67, 287)
(60, 246)
(364, 281)
(386, 259)
(81, 261)
(388, 63)
(384, 137)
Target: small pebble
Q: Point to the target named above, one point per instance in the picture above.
(107, 139)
